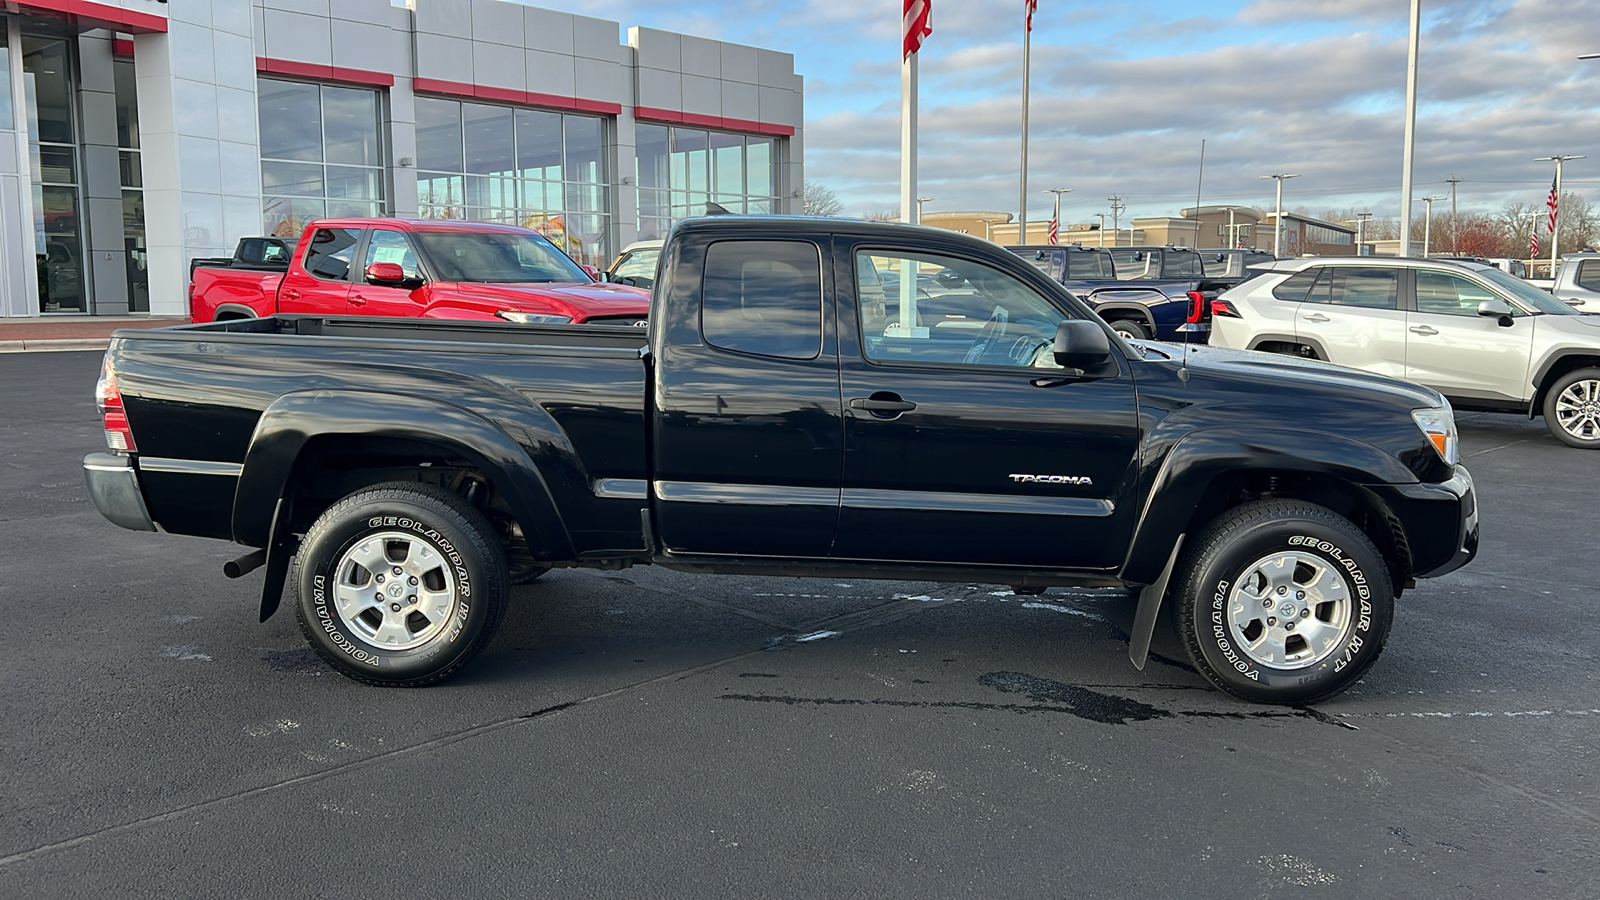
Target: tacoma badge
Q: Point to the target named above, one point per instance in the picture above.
(1083, 480)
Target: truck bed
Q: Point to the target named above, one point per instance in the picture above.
(197, 393)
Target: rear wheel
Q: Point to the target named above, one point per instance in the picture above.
(1572, 409)
(1281, 601)
(1131, 330)
(400, 584)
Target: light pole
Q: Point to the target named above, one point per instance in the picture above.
(1411, 128)
(1102, 229)
(1058, 192)
(1361, 228)
(1555, 213)
(1277, 215)
(1455, 245)
(920, 201)
(1590, 56)
(1427, 225)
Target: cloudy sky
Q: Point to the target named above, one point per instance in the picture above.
(1124, 92)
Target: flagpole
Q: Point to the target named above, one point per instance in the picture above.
(1022, 192)
(908, 139)
(1555, 209)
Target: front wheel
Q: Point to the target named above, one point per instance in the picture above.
(1572, 409)
(400, 584)
(1281, 601)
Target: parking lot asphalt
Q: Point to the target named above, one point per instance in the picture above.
(650, 733)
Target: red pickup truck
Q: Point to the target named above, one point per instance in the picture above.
(413, 268)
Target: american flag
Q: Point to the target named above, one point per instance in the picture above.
(1055, 231)
(1552, 201)
(1033, 7)
(1533, 242)
(914, 18)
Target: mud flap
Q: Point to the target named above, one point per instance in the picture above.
(280, 549)
(1144, 619)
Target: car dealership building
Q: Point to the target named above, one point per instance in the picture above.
(136, 135)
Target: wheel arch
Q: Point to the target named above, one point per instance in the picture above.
(1315, 345)
(227, 311)
(1553, 369)
(300, 429)
(1208, 473)
(1138, 312)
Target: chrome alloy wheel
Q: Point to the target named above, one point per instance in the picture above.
(1290, 610)
(1578, 410)
(394, 590)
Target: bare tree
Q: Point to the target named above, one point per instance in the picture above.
(820, 200)
(886, 215)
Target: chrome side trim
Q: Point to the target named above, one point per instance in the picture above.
(932, 501)
(745, 494)
(622, 488)
(189, 466)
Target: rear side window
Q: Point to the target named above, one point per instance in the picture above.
(329, 255)
(1589, 274)
(1177, 264)
(1356, 286)
(1295, 287)
(1215, 265)
(1089, 265)
(763, 297)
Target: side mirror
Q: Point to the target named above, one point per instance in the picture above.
(1496, 309)
(385, 273)
(1081, 344)
(594, 274)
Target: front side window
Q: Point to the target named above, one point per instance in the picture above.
(1445, 294)
(763, 297)
(320, 153)
(328, 258)
(497, 258)
(392, 247)
(1180, 264)
(1089, 265)
(1356, 286)
(935, 309)
(1136, 265)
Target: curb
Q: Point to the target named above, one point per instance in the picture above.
(60, 344)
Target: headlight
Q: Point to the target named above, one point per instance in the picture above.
(522, 318)
(1439, 424)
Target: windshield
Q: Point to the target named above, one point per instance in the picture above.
(1527, 294)
(497, 257)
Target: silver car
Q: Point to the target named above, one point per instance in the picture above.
(1484, 339)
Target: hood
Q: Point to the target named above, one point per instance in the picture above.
(1584, 327)
(578, 300)
(1316, 376)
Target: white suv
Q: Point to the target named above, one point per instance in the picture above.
(1485, 339)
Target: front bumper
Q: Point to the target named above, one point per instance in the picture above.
(114, 487)
(1441, 522)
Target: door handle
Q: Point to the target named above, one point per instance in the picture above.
(1424, 329)
(883, 404)
(358, 300)
(1316, 317)
(292, 294)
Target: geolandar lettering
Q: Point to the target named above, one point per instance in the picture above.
(1358, 578)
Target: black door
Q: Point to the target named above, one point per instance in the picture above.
(747, 440)
(963, 442)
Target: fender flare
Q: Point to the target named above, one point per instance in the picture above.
(1139, 311)
(293, 419)
(240, 308)
(1313, 343)
(1200, 458)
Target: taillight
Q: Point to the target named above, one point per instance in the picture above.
(109, 401)
(1223, 308)
(1197, 306)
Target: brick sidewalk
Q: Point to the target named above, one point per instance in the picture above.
(71, 333)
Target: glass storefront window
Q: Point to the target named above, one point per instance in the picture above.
(534, 168)
(8, 120)
(680, 169)
(133, 234)
(52, 145)
(321, 153)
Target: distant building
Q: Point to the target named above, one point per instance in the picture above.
(1305, 236)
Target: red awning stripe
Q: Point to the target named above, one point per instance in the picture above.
(673, 117)
(98, 15)
(511, 95)
(323, 73)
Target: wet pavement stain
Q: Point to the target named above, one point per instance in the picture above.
(1107, 709)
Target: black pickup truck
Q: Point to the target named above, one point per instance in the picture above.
(786, 414)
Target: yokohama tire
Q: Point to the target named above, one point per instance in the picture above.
(1572, 409)
(1282, 601)
(400, 584)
